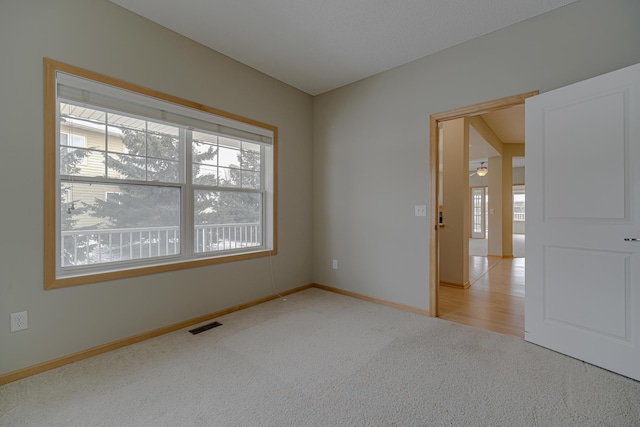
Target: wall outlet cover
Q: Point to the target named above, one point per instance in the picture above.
(19, 321)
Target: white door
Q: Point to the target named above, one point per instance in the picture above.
(583, 212)
(478, 208)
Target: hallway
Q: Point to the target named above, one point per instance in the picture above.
(495, 300)
(479, 247)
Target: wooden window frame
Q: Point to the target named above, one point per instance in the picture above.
(51, 211)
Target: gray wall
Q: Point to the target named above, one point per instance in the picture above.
(100, 36)
(371, 138)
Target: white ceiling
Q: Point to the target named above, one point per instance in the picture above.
(317, 46)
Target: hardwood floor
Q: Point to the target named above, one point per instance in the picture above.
(495, 300)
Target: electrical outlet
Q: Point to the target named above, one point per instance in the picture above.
(335, 264)
(19, 321)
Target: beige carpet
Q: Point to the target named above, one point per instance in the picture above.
(321, 359)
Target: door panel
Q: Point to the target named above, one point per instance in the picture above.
(583, 200)
(571, 168)
(571, 272)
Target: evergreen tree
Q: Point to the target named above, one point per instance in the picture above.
(73, 251)
(153, 156)
(149, 157)
(69, 160)
(230, 207)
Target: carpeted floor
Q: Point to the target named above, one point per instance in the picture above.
(322, 359)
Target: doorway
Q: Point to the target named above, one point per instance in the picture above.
(479, 222)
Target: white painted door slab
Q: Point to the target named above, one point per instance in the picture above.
(583, 200)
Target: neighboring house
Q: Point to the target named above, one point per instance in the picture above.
(87, 141)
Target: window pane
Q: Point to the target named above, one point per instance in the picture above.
(251, 146)
(251, 180)
(78, 141)
(81, 127)
(228, 157)
(162, 170)
(81, 112)
(163, 146)
(164, 129)
(70, 160)
(204, 153)
(229, 142)
(128, 141)
(115, 140)
(251, 160)
(122, 166)
(103, 223)
(81, 141)
(127, 122)
(519, 203)
(80, 162)
(205, 137)
(205, 175)
(226, 220)
(229, 177)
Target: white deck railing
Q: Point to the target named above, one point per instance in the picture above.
(83, 247)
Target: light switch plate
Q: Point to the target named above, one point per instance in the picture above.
(421, 210)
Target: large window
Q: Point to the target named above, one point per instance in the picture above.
(139, 182)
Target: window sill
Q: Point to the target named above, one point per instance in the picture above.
(83, 279)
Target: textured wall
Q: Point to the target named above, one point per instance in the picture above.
(100, 36)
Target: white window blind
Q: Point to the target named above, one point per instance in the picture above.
(85, 91)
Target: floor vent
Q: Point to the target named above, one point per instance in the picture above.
(205, 327)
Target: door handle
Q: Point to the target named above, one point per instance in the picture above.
(631, 239)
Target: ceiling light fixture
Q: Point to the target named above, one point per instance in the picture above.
(482, 170)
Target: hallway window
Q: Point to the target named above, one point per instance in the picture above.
(518, 203)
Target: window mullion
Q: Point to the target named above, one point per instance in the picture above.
(106, 145)
(187, 213)
(113, 181)
(263, 187)
(146, 150)
(233, 189)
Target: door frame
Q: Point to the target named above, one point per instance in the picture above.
(434, 177)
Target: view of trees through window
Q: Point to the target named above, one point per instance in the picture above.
(142, 167)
